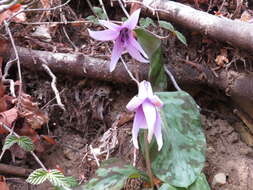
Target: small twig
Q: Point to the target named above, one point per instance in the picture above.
(17, 59)
(103, 7)
(43, 107)
(53, 85)
(39, 9)
(33, 154)
(94, 155)
(123, 8)
(90, 5)
(128, 71)
(10, 81)
(174, 82)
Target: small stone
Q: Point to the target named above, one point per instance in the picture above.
(219, 179)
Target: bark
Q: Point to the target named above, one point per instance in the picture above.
(235, 32)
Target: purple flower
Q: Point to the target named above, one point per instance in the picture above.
(146, 105)
(124, 39)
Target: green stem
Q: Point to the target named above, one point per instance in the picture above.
(147, 159)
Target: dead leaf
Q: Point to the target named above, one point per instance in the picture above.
(31, 112)
(3, 184)
(11, 11)
(7, 118)
(222, 59)
(246, 17)
(50, 140)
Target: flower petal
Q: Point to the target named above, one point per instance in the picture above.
(150, 115)
(158, 131)
(110, 25)
(134, 103)
(156, 101)
(135, 53)
(145, 90)
(116, 53)
(139, 122)
(132, 20)
(104, 35)
(137, 46)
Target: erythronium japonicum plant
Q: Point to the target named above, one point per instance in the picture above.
(147, 116)
(123, 36)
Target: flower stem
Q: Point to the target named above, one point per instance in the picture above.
(147, 159)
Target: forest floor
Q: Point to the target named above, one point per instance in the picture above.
(94, 109)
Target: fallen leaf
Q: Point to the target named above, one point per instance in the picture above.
(3, 184)
(11, 11)
(222, 59)
(7, 118)
(30, 111)
(50, 140)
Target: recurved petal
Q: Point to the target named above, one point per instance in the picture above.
(158, 131)
(116, 53)
(110, 25)
(134, 103)
(135, 53)
(132, 20)
(104, 35)
(156, 101)
(150, 115)
(139, 122)
(137, 46)
(144, 89)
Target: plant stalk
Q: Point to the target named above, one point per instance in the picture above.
(147, 159)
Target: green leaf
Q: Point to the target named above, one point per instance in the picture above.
(181, 37)
(182, 157)
(9, 141)
(166, 25)
(146, 22)
(100, 13)
(112, 175)
(200, 184)
(25, 143)
(152, 46)
(37, 177)
(92, 19)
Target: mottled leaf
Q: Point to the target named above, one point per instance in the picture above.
(181, 37)
(152, 46)
(182, 157)
(166, 25)
(200, 184)
(146, 22)
(112, 175)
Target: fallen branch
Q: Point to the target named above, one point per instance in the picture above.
(14, 170)
(234, 32)
(236, 85)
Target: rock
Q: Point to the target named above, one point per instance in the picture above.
(219, 179)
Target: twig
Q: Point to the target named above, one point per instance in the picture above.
(10, 81)
(103, 7)
(17, 59)
(174, 82)
(4, 6)
(14, 170)
(39, 9)
(53, 85)
(94, 155)
(123, 8)
(33, 154)
(90, 5)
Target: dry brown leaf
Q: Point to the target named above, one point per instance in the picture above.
(3, 184)
(222, 59)
(246, 17)
(50, 140)
(31, 112)
(11, 11)
(8, 117)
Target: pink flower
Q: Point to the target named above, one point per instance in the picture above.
(146, 105)
(124, 39)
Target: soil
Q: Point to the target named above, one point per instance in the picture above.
(94, 109)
